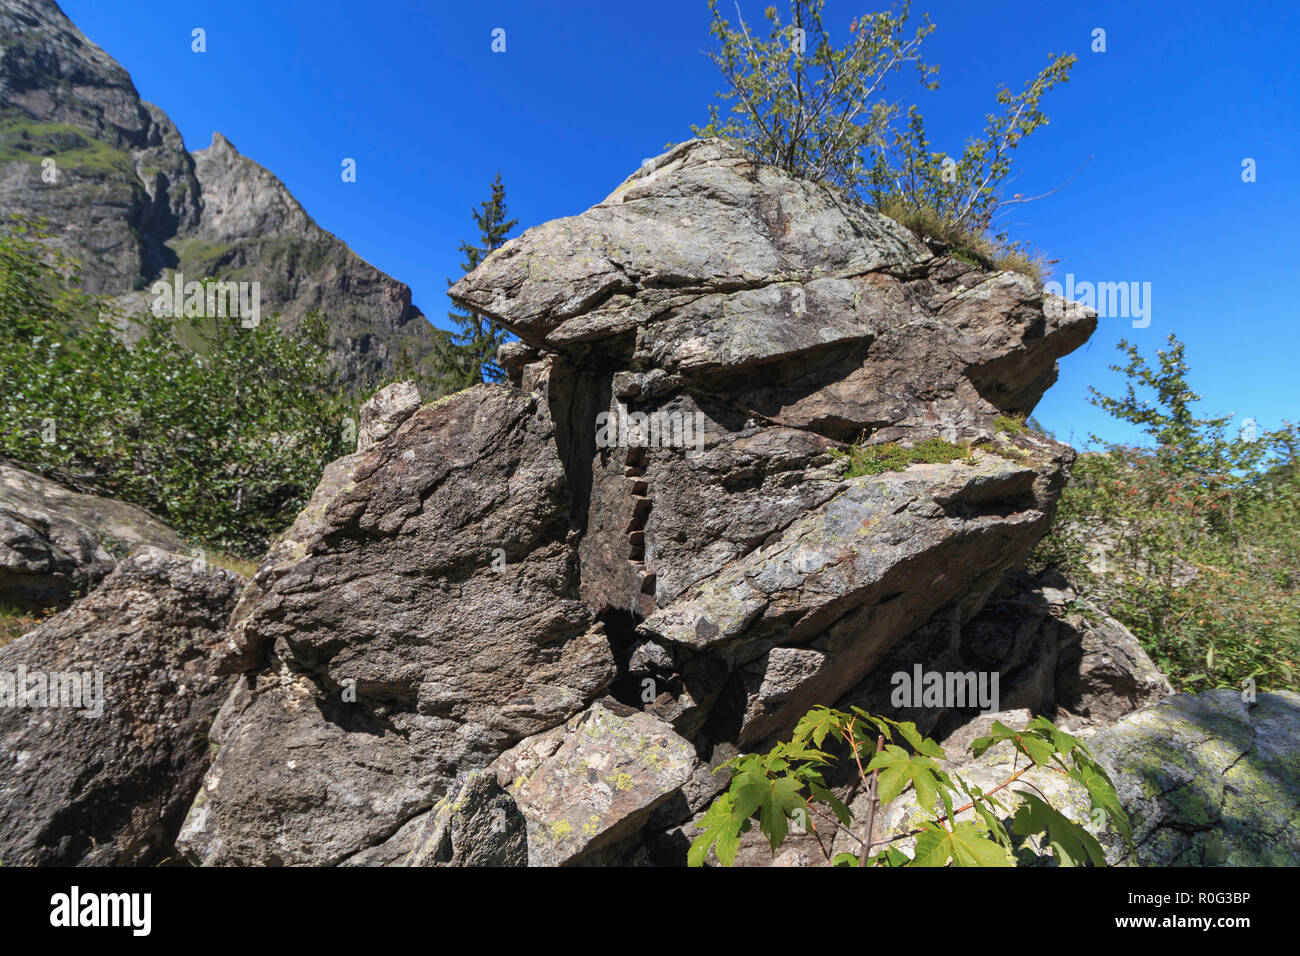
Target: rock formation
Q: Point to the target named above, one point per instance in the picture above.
(652, 510)
(56, 544)
(133, 206)
(104, 713)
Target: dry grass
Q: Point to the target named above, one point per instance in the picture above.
(244, 566)
(966, 244)
(14, 623)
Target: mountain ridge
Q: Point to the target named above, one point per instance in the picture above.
(133, 205)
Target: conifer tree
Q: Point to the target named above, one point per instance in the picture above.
(467, 355)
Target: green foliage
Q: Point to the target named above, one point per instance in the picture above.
(788, 783)
(815, 112)
(890, 456)
(1012, 425)
(798, 102)
(467, 356)
(965, 193)
(1191, 540)
(224, 441)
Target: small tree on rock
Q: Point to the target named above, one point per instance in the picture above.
(467, 355)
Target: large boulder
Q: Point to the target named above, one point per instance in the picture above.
(704, 266)
(56, 543)
(104, 715)
(655, 505)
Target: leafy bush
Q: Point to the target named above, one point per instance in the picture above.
(1191, 541)
(798, 102)
(223, 437)
(789, 783)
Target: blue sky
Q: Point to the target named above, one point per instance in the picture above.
(588, 88)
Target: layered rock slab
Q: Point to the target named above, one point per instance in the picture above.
(106, 777)
(704, 266)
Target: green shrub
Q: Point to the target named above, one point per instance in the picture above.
(223, 438)
(1190, 541)
(798, 102)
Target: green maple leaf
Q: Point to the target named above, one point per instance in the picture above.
(1101, 793)
(716, 826)
(816, 725)
(965, 845)
(782, 799)
(898, 768)
(1071, 843)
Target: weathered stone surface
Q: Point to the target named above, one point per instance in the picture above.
(433, 581)
(587, 785)
(384, 411)
(80, 788)
(475, 824)
(56, 543)
(1211, 779)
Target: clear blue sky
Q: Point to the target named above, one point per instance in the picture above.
(587, 88)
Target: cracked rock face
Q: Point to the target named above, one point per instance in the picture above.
(422, 616)
(111, 788)
(651, 509)
(1213, 780)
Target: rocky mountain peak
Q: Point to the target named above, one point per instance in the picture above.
(133, 205)
(243, 200)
